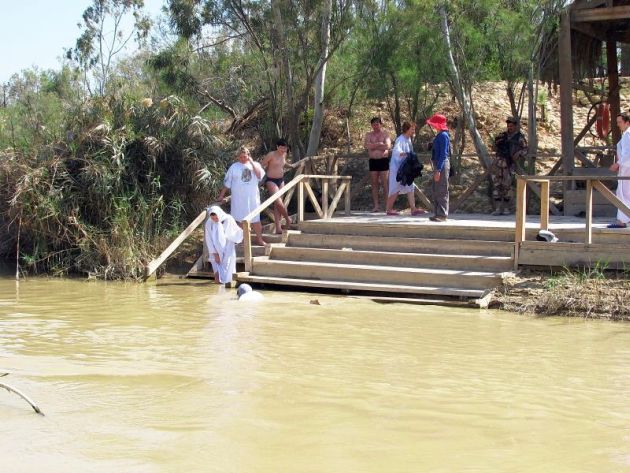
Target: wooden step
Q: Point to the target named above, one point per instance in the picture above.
(263, 266)
(362, 287)
(406, 245)
(381, 258)
(410, 230)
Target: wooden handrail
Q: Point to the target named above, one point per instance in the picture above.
(301, 181)
(155, 264)
(592, 183)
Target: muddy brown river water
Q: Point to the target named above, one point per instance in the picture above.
(181, 377)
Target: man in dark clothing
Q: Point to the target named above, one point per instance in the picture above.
(510, 146)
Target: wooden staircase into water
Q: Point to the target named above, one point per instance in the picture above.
(404, 257)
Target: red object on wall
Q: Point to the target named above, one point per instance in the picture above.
(602, 125)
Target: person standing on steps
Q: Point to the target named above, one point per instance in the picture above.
(242, 179)
(440, 152)
(622, 168)
(402, 147)
(510, 146)
(377, 143)
(274, 164)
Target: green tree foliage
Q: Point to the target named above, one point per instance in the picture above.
(104, 37)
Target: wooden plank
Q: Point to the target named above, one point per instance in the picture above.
(462, 198)
(273, 198)
(336, 199)
(300, 215)
(289, 195)
(422, 196)
(535, 253)
(521, 204)
(612, 198)
(575, 178)
(612, 66)
(348, 201)
(601, 14)
(313, 199)
(588, 236)
(157, 262)
(357, 286)
(247, 245)
(544, 205)
(583, 159)
(566, 94)
(325, 198)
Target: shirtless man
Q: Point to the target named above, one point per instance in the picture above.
(378, 144)
(274, 164)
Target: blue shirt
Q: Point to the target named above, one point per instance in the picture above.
(441, 150)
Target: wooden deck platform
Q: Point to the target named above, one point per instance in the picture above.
(408, 257)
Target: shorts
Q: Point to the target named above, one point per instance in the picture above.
(379, 165)
(278, 181)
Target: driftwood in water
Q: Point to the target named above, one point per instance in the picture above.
(22, 395)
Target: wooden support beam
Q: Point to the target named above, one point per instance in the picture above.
(613, 87)
(588, 210)
(544, 205)
(336, 199)
(247, 246)
(554, 210)
(583, 159)
(348, 199)
(325, 196)
(462, 198)
(576, 141)
(300, 215)
(601, 14)
(157, 262)
(422, 196)
(521, 217)
(610, 197)
(566, 94)
(313, 199)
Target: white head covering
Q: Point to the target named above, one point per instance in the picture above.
(218, 233)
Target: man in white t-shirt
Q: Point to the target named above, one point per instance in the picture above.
(242, 180)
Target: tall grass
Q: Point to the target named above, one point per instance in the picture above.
(128, 175)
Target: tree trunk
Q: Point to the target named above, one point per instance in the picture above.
(292, 118)
(320, 80)
(395, 110)
(462, 96)
(625, 59)
(510, 93)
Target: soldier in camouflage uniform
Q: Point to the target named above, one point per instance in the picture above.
(509, 146)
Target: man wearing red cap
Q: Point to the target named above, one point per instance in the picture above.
(440, 152)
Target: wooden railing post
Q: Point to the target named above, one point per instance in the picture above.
(348, 198)
(544, 205)
(521, 199)
(247, 246)
(325, 198)
(521, 211)
(300, 215)
(588, 237)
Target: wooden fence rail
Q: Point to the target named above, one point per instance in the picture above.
(592, 183)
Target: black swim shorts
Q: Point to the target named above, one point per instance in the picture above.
(380, 165)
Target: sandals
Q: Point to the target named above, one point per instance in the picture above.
(392, 212)
(417, 212)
